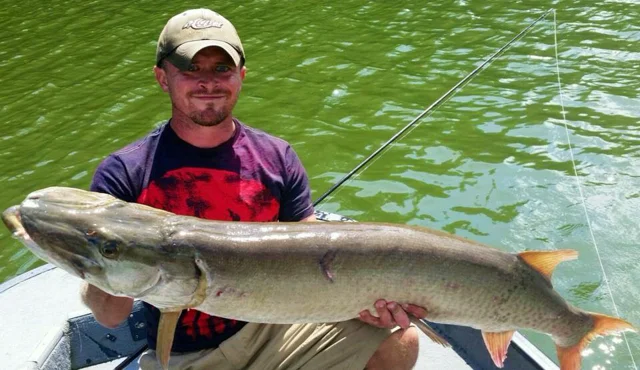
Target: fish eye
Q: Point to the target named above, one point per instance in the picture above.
(109, 250)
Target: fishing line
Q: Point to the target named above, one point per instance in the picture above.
(575, 172)
(435, 104)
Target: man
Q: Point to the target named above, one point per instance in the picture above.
(206, 163)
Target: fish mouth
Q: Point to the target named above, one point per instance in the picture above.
(68, 261)
(11, 219)
(71, 256)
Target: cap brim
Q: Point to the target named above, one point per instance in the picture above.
(183, 55)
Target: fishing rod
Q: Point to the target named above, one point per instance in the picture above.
(435, 104)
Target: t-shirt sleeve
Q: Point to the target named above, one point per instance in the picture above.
(111, 177)
(296, 198)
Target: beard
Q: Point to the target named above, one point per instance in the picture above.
(210, 116)
(213, 115)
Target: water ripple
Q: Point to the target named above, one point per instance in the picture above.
(337, 80)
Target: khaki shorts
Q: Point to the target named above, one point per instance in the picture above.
(345, 345)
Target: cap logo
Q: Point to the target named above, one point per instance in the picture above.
(201, 23)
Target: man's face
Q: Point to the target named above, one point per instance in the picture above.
(208, 91)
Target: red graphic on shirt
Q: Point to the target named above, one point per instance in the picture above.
(215, 195)
(212, 194)
(188, 322)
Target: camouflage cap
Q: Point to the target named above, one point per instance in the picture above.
(187, 33)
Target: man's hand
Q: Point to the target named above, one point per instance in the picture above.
(107, 309)
(391, 314)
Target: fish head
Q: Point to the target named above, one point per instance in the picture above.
(105, 241)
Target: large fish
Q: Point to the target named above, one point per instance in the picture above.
(301, 272)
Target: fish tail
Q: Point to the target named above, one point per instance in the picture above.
(570, 357)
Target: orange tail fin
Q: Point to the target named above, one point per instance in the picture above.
(570, 357)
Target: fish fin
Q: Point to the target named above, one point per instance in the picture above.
(570, 357)
(498, 344)
(200, 294)
(546, 261)
(166, 331)
(169, 316)
(429, 332)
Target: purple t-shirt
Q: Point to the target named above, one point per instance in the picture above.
(251, 177)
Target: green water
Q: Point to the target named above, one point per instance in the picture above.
(492, 164)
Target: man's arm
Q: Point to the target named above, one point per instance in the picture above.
(110, 178)
(108, 310)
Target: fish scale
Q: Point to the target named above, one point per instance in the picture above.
(288, 273)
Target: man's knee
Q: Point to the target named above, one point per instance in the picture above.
(398, 351)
